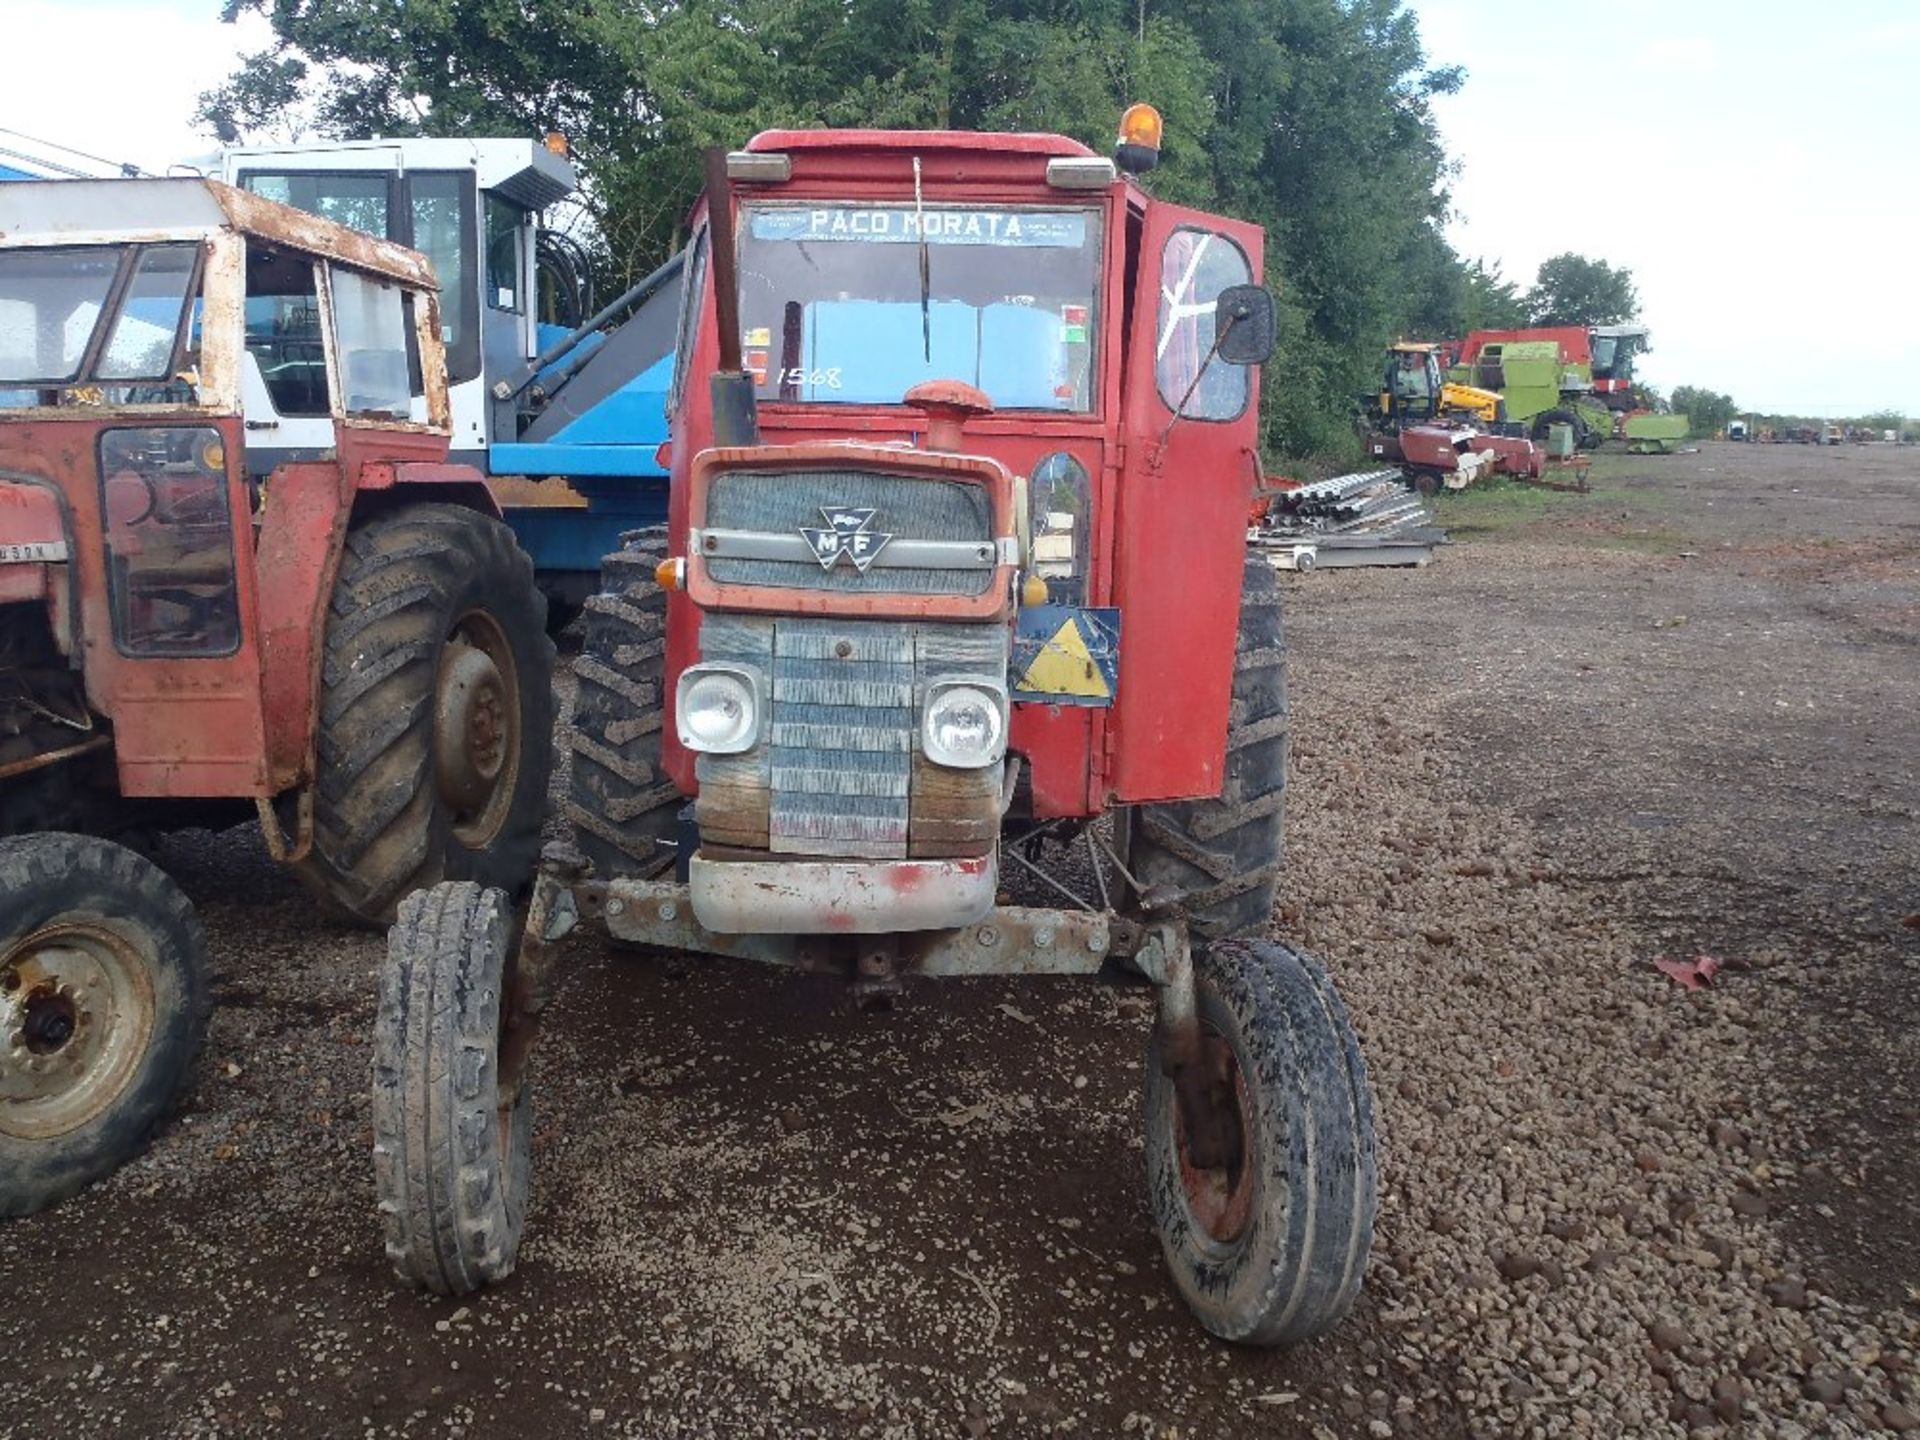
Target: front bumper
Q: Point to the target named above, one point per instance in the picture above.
(839, 897)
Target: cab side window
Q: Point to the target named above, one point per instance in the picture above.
(504, 258)
(169, 541)
(374, 335)
(283, 331)
(1195, 267)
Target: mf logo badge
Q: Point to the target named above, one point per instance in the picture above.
(846, 534)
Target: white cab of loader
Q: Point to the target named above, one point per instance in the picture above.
(471, 206)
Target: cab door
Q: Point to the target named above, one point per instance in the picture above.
(1190, 424)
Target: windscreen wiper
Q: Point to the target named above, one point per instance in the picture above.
(926, 277)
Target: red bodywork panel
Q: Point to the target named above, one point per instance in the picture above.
(1168, 523)
(1575, 347)
(994, 603)
(1180, 551)
(1437, 446)
(33, 542)
(181, 726)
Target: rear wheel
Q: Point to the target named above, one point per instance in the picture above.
(1222, 856)
(451, 1152)
(624, 807)
(436, 712)
(1269, 1247)
(103, 1005)
(1546, 420)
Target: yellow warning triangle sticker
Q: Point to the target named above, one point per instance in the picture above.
(1065, 667)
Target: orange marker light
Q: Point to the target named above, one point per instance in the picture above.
(559, 144)
(670, 574)
(1139, 148)
(1141, 125)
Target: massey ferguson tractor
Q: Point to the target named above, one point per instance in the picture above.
(352, 650)
(949, 661)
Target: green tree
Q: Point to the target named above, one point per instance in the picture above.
(1707, 411)
(1574, 290)
(1491, 302)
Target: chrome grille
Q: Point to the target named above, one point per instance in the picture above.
(843, 738)
(782, 503)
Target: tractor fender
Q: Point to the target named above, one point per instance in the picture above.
(303, 531)
(384, 484)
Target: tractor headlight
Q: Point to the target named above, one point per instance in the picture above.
(719, 708)
(965, 724)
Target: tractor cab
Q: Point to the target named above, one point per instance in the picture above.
(1415, 390)
(471, 207)
(1613, 348)
(1412, 388)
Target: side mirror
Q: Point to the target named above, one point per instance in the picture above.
(1244, 325)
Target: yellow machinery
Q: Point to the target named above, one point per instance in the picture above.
(1413, 388)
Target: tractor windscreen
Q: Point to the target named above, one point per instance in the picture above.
(1612, 357)
(856, 304)
(58, 331)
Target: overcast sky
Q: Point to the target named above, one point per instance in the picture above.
(1753, 162)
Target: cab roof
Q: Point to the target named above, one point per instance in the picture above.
(39, 214)
(997, 142)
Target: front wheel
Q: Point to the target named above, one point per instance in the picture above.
(103, 1005)
(1268, 1242)
(451, 1151)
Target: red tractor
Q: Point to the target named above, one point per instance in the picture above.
(951, 660)
(353, 650)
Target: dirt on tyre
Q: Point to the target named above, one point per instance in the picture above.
(436, 712)
(1269, 1248)
(103, 1007)
(451, 1151)
(624, 807)
(1222, 856)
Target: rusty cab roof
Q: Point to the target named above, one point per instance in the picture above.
(38, 214)
(958, 161)
(997, 142)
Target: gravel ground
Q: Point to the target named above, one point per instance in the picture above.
(1681, 714)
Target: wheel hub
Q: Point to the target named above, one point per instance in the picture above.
(77, 1014)
(49, 1024)
(475, 720)
(1219, 1195)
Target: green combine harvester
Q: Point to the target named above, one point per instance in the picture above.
(1648, 433)
(1569, 375)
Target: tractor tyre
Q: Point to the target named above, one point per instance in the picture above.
(435, 738)
(1546, 419)
(1269, 1248)
(1222, 856)
(103, 1005)
(451, 1153)
(624, 807)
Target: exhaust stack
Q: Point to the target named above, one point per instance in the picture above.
(736, 417)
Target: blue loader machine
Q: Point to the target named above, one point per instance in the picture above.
(561, 404)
